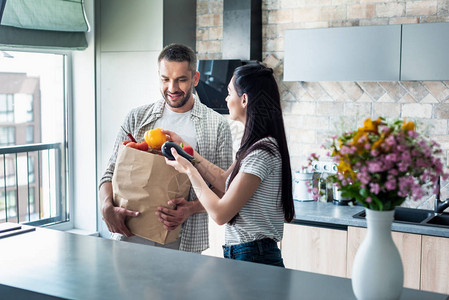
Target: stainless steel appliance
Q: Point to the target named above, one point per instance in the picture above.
(338, 199)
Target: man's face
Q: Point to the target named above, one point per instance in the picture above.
(177, 82)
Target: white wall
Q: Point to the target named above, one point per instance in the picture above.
(129, 39)
(84, 199)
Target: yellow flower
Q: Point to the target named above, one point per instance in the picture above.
(340, 143)
(345, 168)
(408, 126)
(371, 126)
(359, 140)
(377, 143)
(358, 135)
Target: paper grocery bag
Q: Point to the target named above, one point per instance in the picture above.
(142, 181)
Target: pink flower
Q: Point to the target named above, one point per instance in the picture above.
(374, 166)
(391, 183)
(391, 157)
(345, 150)
(390, 140)
(364, 177)
(375, 188)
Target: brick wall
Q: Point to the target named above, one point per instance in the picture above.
(315, 110)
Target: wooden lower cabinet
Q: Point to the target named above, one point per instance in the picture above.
(314, 249)
(409, 246)
(332, 251)
(435, 264)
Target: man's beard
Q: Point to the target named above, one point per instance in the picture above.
(180, 103)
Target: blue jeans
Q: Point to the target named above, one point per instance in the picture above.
(263, 251)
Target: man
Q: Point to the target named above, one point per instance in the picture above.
(202, 128)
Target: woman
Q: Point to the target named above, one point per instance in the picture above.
(258, 186)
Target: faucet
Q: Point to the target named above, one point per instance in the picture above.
(440, 206)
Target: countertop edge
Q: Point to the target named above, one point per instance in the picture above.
(326, 214)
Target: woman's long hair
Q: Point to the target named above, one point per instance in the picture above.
(263, 119)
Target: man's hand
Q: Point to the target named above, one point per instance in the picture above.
(172, 218)
(172, 136)
(115, 217)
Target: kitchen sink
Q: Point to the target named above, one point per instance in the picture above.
(411, 215)
(415, 216)
(404, 214)
(442, 220)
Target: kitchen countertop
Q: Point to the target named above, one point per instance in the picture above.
(49, 264)
(339, 217)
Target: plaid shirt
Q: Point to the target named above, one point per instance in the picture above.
(214, 144)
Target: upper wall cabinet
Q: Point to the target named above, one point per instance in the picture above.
(368, 53)
(343, 54)
(425, 51)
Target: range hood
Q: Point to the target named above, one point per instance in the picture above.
(242, 29)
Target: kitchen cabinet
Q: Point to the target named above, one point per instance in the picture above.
(368, 53)
(425, 51)
(314, 249)
(435, 264)
(359, 53)
(409, 246)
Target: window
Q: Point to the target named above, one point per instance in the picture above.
(23, 108)
(10, 209)
(30, 134)
(7, 135)
(31, 171)
(6, 108)
(33, 138)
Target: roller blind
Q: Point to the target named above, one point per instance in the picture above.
(54, 24)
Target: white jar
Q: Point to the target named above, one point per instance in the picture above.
(302, 183)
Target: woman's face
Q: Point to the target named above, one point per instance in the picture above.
(236, 104)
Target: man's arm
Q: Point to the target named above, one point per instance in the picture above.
(113, 216)
(224, 146)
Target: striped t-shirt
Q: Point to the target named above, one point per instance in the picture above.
(262, 216)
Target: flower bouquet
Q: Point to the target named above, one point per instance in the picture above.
(383, 163)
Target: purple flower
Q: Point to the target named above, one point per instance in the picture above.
(374, 188)
(345, 150)
(391, 183)
(391, 157)
(390, 141)
(364, 177)
(374, 166)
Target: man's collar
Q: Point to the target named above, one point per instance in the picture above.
(159, 107)
(195, 111)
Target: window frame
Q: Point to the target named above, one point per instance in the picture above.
(68, 131)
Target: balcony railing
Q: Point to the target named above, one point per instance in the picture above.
(32, 185)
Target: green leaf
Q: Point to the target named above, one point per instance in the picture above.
(378, 203)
